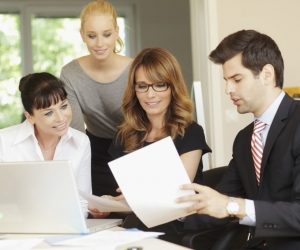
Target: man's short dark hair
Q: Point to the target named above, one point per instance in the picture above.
(257, 50)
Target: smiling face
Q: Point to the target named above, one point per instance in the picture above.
(155, 104)
(100, 35)
(51, 121)
(247, 91)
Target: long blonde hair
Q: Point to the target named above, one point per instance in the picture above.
(104, 8)
(159, 65)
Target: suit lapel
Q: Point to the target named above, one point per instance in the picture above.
(249, 164)
(277, 125)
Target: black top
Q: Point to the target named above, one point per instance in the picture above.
(193, 139)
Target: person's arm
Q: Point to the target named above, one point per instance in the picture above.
(191, 147)
(210, 202)
(77, 115)
(84, 172)
(83, 175)
(191, 161)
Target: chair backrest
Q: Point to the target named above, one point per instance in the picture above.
(213, 176)
(196, 94)
(228, 236)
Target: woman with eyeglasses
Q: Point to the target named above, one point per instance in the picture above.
(156, 105)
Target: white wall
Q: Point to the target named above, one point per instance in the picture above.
(278, 18)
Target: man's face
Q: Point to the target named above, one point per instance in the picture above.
(246, 90)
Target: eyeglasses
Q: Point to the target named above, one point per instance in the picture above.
(143, 87)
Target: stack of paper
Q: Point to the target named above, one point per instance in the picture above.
(105, 203)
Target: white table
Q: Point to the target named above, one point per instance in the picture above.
(146, 244)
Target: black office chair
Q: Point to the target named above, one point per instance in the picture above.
(226, 237)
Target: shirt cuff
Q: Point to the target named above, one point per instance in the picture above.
(250, 218)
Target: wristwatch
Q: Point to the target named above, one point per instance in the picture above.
(232, 207)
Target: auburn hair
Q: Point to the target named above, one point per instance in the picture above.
(159, 65)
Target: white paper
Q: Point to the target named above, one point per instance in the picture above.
(150, 180)
(105, 203)
(22, 244)
(107, 240)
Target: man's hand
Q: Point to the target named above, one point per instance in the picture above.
(206, 201)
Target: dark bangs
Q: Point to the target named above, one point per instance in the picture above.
(48, 96)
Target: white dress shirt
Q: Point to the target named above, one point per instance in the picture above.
(18, 143)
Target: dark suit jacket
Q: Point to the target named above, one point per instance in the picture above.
(277, 199)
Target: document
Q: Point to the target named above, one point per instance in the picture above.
(150, 180)
(106, 240)
(105, 203)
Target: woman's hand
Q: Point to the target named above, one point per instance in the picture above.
(95, 213)
(119, 197)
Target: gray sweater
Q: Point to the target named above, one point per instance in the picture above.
(95, 104)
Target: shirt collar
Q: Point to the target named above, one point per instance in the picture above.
(27, 130)
(268, 116)
(69, 136)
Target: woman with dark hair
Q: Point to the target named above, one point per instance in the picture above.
(45, 134)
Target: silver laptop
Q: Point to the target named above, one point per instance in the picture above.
(42, 197)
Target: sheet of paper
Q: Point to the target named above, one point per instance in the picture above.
(21, 244)
(105, 203)
(107, 240)
(149, 179)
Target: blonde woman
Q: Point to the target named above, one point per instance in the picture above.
(95, 84)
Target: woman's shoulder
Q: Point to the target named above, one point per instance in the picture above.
(194, 127)
(11, 130)
(16, 133)
(79, 135)
(123, 62)
(193, 132)
(70, 66)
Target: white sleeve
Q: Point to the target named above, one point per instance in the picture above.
(84, 181)
(84, 175)
(250, 218)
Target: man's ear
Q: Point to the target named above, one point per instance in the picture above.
(268, 75)
(29, 117)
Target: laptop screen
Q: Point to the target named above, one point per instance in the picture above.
(39, 197)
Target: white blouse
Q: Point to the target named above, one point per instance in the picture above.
(18, 143)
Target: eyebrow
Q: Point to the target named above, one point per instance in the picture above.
(233, 76)
(95, 32)
(143, 82)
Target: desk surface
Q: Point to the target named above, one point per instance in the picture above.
(153, 244)
(146, 244)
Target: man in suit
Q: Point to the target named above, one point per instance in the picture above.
(262, 185)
